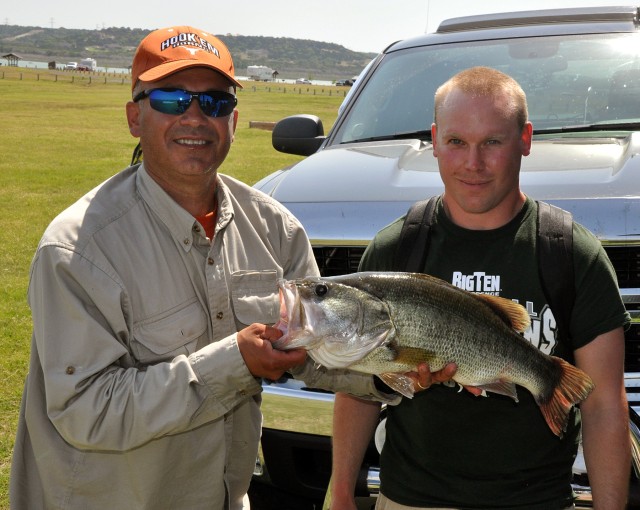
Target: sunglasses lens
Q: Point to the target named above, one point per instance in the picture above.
(176, 101)
(173, 102)
(217, 104)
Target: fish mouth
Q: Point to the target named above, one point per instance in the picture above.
(293, 318)
(287, 296)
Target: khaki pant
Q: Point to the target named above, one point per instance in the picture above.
(384, 503)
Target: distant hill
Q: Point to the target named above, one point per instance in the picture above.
(114, 47)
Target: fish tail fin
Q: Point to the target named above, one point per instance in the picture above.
(573, 387)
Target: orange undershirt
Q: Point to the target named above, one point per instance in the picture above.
(208, 221)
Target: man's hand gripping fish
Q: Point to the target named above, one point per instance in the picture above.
(387, 323)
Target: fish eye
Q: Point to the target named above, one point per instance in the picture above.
(321, 290)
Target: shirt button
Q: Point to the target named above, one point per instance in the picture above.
(210, 261)
(187, 241)
(219, 315)
(196, 228)
(70, 370)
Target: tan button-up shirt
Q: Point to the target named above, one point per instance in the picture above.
(137, 395)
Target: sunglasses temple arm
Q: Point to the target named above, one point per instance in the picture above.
(137, 155)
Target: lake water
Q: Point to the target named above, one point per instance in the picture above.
(120, 70)
(44, 65)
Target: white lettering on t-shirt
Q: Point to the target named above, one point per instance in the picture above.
(479, 282)
(542, 331)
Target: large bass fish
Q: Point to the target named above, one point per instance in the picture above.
(387, 323)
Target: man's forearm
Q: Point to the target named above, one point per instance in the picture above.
(354, 422)
(608, 456)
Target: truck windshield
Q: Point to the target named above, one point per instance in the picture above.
(573, 80)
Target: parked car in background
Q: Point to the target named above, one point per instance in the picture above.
(303, 81)
(88, 64)
(580, 69)
(71, 66)
(345, 83)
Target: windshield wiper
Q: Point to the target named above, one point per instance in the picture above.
(601, 126)
(424, 134)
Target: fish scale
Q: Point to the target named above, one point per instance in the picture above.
(387, 323)
(423, 307)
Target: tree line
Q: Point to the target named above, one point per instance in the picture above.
(114, 47)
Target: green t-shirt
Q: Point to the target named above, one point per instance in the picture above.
(448, 448)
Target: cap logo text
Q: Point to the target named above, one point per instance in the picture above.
(189, 40)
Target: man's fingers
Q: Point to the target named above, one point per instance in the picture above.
(270, 333)
(474, 390)
(423, 377)
(445, 374)
(291, 358)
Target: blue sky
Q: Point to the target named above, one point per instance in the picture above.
(360, 25)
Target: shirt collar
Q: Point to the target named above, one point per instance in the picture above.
(178, 220)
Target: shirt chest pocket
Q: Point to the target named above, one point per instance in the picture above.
(176, 332)
(254, 296)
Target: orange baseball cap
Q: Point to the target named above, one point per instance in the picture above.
(168, 50)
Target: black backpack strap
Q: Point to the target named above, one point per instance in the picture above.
(555, 262)
(555, 253)
(413, 244)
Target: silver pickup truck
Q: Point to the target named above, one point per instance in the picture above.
(580, 69)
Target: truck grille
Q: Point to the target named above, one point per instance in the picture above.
(337, 260)
(626, 261)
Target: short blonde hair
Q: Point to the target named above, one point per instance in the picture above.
(485, 81)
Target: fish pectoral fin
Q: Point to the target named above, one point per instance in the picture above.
(501, 387)
(398, 382)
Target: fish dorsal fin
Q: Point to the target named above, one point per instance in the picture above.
(512, 313)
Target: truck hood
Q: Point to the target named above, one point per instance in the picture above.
(351, 191)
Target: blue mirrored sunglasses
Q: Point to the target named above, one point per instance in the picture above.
(214, 103)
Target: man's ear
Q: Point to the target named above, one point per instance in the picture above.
(235, 125)
(434, 131)
(133, 118)
(526, 138)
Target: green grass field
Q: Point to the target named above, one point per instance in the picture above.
(58, 140)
